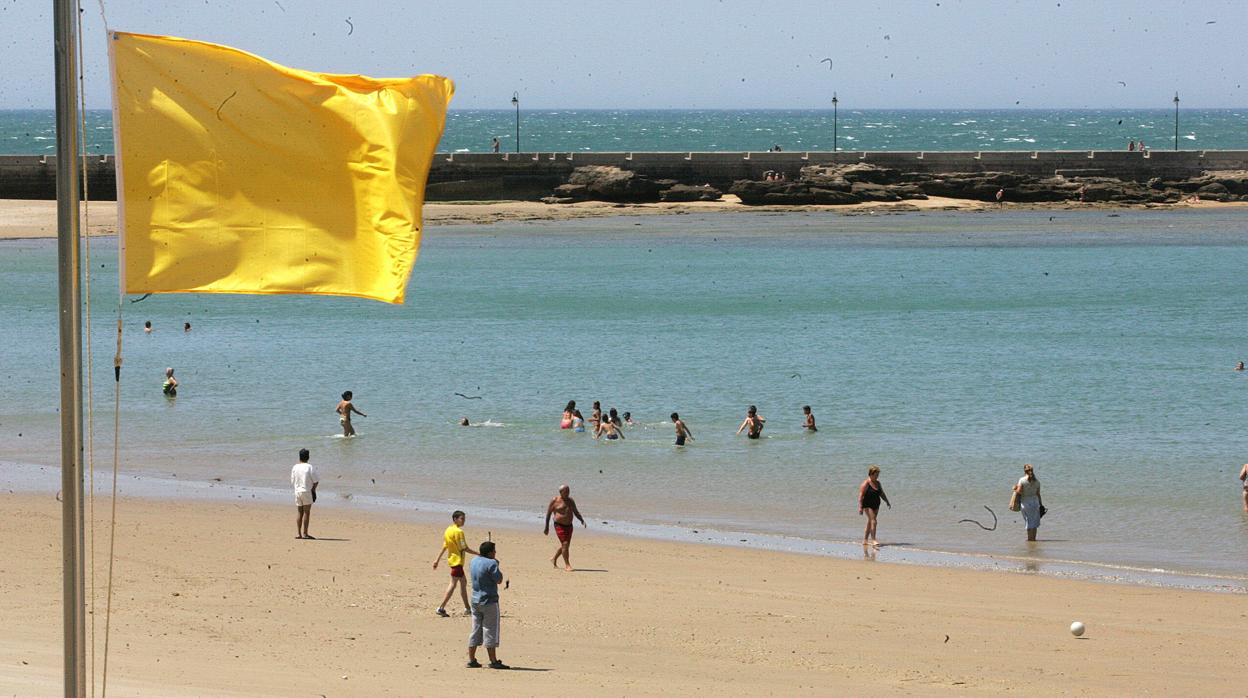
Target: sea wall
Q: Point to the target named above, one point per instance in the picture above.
(485, 176)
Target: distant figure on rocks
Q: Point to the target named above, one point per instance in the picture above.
(1000, 196)
(563, 508)
(344, 410)
(170, 386)
(304, 480)
(1131, 145)
(494, 144)
(809, 424)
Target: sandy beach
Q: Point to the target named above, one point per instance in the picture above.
(219, 599)
(37, 219)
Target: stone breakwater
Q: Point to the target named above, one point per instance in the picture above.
(841, 177)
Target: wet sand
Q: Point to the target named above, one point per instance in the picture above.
(37, 219)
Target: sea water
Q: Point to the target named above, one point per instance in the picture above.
(949, 348)
(33, 132)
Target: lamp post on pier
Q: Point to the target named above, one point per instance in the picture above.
(515, 102)
(834, 102)
(1176, 120)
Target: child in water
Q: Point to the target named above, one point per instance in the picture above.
(578, 422)
(809, 424)
(170, 387)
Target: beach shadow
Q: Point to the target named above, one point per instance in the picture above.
(332, 540)
(896, 545)
(583, 569)
(527, 668)
(1050, 540)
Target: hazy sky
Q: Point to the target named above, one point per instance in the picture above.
(699, 53)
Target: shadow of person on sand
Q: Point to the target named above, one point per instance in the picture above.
(332, 540)
(527, 668)
(586, 569)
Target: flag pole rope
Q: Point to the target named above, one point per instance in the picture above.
(117, 360)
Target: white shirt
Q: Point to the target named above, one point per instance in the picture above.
(1029, 488)
(302, 477)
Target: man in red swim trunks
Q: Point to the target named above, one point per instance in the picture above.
(563, 508)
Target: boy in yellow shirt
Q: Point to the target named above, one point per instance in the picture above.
(454, 546)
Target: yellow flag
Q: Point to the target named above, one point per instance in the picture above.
(238, 175)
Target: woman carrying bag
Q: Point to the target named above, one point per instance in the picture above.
(1027, 499)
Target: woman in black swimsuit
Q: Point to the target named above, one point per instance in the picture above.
(754, 422)
(869, 496)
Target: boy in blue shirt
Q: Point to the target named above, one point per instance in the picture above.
(485, 614)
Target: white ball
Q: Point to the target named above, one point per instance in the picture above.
(1076, 629)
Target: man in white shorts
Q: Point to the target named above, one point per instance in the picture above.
(304, 479)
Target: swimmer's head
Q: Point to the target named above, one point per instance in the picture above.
(303, 455)
(597, 405)
(612, 412)
(570, 406)
(463, 422)
(346, 395)
(564, 490)
(752, 411)
(873, 472)
(675, 417)
(168, 373)
(628, 416)
(148, 325)
(806, 409)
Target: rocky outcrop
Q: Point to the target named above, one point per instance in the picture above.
(603, 183)
(690, 192)
(857, 183)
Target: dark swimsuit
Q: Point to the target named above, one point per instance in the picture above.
(871, 498)
(680, 439)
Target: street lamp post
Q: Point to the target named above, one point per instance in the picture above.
(1176, 120)
(515, 102)
(834, 102)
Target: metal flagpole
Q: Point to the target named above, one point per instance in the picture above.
(64, 13)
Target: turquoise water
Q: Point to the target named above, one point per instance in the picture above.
(33, 132)
(948, 348)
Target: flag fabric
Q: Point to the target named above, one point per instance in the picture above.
(239, 175)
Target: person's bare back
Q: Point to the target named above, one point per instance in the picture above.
(344, 410)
